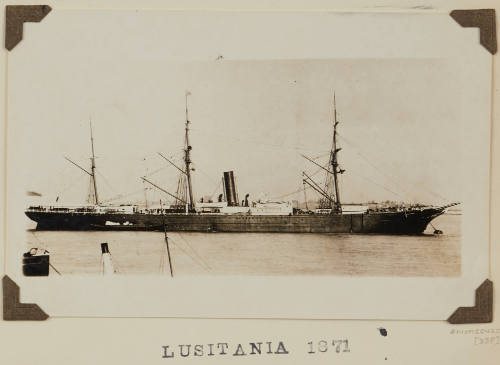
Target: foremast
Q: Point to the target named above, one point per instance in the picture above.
(330, 195)
(337, 205)
(187, 157)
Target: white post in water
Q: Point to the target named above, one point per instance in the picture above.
(107, 263)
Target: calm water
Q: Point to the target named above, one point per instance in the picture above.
(258, 253)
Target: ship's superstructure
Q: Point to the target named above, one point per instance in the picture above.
(229, 214)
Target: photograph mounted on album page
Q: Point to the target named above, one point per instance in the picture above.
(322, 165)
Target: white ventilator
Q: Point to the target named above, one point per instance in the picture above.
(107, 263)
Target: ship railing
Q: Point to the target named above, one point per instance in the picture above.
(79, 210)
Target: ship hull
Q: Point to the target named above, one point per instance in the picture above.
(410, 222)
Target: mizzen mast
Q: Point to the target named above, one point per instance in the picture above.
(187, 156)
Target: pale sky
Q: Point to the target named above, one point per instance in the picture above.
(398, 128)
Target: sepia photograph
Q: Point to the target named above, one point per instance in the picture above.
(286, 167)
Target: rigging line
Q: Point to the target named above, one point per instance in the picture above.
(380, 185)
(119, 196)
(292, 193)
(352, 144)
(170, 162)
(179, 155)
(57, 271)
(317, 171)
(161, 268)
(187, 254)
(299, 190)
(72, 183)
(320, 156)
(431, 192)
(61, 172)
(162, 253)
(318, 191)
(106, 181)
(163, 260)
(317, 164)
(156, 186)
(391, 178)
(172, 155)
(256, 142)
(116, 267)
(195, 252)
(153, 155)
(219, 184)
(156, 171)
(315, 186)
(81, 168)
(206, 174)
(40, 242)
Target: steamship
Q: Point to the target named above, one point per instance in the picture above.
(228, 214)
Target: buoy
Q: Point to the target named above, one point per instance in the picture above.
(107, 263)
(436, 231)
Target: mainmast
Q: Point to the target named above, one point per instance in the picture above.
(334, 160)
(331, 197)
(187, 157)
(92, 176)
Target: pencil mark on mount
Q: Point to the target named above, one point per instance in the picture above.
(230, 214)
(382, 331)
(423, 7)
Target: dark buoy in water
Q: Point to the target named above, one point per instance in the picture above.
(436, 231)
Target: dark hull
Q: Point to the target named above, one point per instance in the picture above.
(410, 222)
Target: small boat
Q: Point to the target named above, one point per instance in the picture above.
(36, 262)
